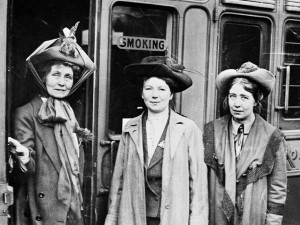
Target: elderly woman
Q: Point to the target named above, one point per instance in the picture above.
(245, 155)
(160, 176)
(47, 134)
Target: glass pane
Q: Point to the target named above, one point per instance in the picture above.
(292, 58)
(135, 24)
(240, 43)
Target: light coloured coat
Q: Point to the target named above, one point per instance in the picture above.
(184, 177)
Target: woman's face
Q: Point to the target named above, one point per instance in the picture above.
(156, 94)
(59, 81)
(241, 103)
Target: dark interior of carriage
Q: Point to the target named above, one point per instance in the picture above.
(30, 23)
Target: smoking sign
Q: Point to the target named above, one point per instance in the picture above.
(138, 43)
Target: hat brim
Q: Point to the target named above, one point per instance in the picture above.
(50, 51)
(261, 76)
(135, 73)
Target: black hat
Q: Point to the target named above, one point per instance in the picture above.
(161, 67)
(63, 49)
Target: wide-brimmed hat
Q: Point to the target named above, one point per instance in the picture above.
(250, 71)
(161, 67)
(63, 49)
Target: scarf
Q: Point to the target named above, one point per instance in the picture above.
(61, 115)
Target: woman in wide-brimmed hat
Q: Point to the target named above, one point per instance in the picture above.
(160, 175)
(245, 155)
(48, 136)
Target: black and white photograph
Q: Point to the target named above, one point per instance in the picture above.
(150, 112)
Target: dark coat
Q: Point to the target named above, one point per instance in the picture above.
(259, 176)
(36, 199)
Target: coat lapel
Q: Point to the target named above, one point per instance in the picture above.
(134, 128)
(255, 145)
(46, 135)
(176, 129)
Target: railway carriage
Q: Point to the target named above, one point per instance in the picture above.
(206, 36)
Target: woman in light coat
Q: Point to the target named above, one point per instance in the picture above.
(47, 134)
(245, 155)
(160, 176)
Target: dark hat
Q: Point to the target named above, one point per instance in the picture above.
(63, 49)
(250, 71)
(161, 67)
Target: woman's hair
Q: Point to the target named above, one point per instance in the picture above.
(44, 68)
(250, 86)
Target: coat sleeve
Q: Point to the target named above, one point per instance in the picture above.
(277, 188)
(198, 180)
(24, 133)
(116, 186)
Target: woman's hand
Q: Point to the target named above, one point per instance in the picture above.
(23, 152)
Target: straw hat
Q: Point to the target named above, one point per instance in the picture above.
(161, 67)
(247, 70)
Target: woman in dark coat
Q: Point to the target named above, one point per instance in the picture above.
(160, 175)
(48, 135)
(245, 155)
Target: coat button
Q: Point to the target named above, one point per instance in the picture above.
(167, 207)
(27, 213)
(244, 174)
(41, 195)
(237, 181)
(38, 218)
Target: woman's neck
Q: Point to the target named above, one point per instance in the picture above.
(249, 119)
(154, 115)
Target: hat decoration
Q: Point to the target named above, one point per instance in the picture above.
(68, 46)
(250, 71)
(173, 65)
(64, 49)
(247, 67)
(159, 66)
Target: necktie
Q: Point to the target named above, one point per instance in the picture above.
(238, 139)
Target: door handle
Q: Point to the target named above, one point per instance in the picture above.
(287, 89)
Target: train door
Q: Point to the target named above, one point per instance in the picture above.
(5, 190)
(29, 24)
(135, 31)
(243, 38)
(288, 112)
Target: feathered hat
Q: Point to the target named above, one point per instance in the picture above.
(63, 49)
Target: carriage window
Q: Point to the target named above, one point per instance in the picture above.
(243, 40)
(137, 32)
(290, 96)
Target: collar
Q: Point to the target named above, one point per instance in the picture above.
(160, 118)
(247, 126)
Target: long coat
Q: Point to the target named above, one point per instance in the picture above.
(257, 181)
(184, 177)
(36, 201)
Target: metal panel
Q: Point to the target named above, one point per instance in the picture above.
(3, 184)
(268, 4)
(195, 54)
(292, 5)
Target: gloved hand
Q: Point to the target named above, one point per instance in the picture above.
(22, 151)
